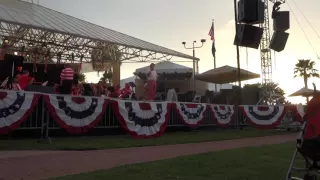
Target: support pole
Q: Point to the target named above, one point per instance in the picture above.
(116, 73)
(238, 54)
(215, 66)
(197, 66)
(194, 68)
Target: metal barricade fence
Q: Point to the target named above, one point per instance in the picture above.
(36, 120)
(42, 120)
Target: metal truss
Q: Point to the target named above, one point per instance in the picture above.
(281, 1)
(66, 48)
(266, 62)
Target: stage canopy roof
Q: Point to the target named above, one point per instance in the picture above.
(24, 23)
(225, 74)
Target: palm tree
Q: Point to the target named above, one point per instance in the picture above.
(305, 69)
(82, 77)
(270, 93)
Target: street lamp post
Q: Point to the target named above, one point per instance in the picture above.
(195, 62)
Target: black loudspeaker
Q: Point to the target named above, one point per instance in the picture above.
(278, 41)
(251, 11)
(261, 11)
(281, 21)
(248, 36)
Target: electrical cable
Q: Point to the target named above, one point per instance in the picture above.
(303, 30)
(306, 19)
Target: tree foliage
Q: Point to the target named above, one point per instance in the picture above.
(305, 69)
(270, 93)
(81, 77)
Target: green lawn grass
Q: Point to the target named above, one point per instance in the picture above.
(259, 163)
(123, 141)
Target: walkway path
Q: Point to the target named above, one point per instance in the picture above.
(35, 165)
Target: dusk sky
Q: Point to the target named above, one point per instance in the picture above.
(169, 22)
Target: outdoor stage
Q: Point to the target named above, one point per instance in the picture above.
(140, 119)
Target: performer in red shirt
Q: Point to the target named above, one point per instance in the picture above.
(24, 80)
(126, 91)
(117, 90)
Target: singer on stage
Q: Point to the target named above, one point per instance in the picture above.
(152, 83)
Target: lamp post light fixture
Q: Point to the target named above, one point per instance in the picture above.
(195, 62)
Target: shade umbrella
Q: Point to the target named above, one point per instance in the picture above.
(226, 74)
(305, 92)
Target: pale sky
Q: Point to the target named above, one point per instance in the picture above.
(169, 22)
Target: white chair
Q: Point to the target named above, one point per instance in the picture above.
(197, 99)
(4, 83)
(172, 95)
(44, 84)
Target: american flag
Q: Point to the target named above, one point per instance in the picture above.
(211, 32)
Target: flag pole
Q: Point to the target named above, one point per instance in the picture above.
(214, 58)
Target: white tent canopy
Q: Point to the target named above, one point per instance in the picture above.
(166, 67)
(226, 74)
(127, 80)
(305, 92)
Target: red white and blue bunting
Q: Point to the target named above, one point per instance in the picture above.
(142, 119)
(300, 112)
(15, 108)
(264, 116)
(191, 114)
(222, 113)
(76, 114)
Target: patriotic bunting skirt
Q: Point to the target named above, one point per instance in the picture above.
(77, 115)
(190, 113)
(15, 108)
(142, 119)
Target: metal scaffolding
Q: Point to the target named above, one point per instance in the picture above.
(26, 26)
(267, 97)
(265, 52)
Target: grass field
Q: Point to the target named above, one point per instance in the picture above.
(123, 141)
(259, 163)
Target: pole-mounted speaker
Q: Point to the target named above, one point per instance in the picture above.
(248, 36)
(281, 20)
(251, 11)
(278, 41)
